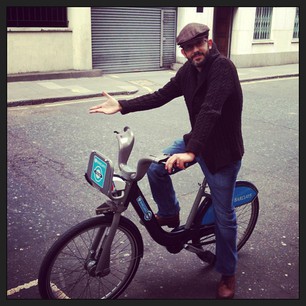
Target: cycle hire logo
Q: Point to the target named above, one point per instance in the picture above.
(98, 171)
(147, 214)
(243, 195)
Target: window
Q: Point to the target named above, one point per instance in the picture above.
(38, 16)
(296, 24)
(263, 20)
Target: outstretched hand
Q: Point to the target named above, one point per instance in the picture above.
(110, 106)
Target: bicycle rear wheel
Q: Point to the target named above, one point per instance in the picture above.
(67, 271)
(246, 214)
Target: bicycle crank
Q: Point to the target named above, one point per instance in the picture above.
(205, 255)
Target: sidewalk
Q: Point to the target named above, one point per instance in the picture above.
(78, 85)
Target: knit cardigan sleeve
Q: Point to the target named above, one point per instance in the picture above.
(220, 85)
(153, 100)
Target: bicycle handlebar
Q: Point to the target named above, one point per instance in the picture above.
(126, 143)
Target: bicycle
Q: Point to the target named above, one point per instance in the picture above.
(99, 257)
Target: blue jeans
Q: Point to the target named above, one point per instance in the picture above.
(221, 185)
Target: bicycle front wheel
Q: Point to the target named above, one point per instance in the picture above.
(66, 272)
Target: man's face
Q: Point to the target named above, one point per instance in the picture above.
(197, 51)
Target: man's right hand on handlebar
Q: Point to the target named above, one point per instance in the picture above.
(179, 160)
(110, 106)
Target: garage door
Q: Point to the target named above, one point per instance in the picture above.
(126, 39)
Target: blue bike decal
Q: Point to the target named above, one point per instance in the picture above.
(242, 195)
(146, 212)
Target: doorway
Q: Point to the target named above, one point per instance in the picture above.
(222, 28)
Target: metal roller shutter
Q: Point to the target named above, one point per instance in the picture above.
(168, 38)
(126, 39)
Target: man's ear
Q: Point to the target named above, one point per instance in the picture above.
(210, 43)
(183, 52)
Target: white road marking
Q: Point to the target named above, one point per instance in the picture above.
(52, 104)
(50, 85)
(147, 88)
(55, 104)
(59, 293)
(21, 287)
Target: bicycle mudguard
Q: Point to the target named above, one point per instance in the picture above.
(244, 193)
(100, 172)
(209, 215)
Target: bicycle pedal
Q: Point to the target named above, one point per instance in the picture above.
(193, 249)
(205, 255)
(208, 257)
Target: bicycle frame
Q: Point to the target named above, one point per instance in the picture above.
(174, 240)
(177, 237)
(123, 189)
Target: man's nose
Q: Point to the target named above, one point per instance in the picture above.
(195, 48)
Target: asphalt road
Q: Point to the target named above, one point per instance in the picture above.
(47, 153)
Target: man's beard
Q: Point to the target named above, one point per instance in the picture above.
(198, 64)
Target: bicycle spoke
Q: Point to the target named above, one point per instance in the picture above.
(72, 271)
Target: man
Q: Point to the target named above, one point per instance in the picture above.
(210, 85)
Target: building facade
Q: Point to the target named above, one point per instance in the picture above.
(126, 39)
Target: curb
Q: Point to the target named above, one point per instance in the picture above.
(290, 75)
(67, 74)
(67, 98)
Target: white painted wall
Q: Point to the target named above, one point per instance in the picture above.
(51, 49)
(80, 24)
(242, 30)
(281, 48)
(282, 29)
(38, 49)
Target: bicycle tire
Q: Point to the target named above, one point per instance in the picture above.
(63, 274)
(246, 215)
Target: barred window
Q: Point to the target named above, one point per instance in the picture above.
(263, 20)
(296, 24)
(38, 16)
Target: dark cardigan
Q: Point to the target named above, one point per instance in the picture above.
(214, 101)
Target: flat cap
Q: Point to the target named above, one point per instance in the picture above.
(191, 31)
